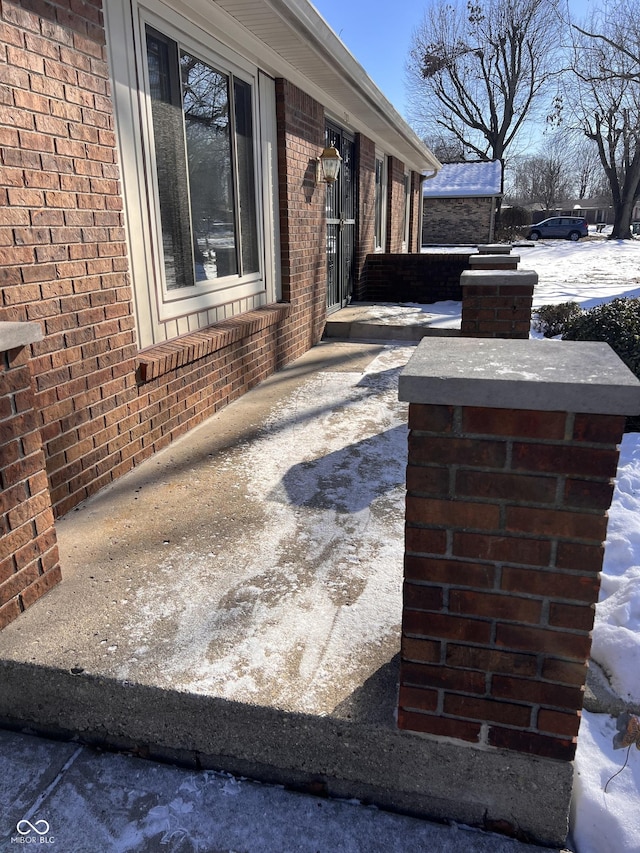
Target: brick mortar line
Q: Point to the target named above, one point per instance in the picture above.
(502, 700)
(439, 714)
(507, 534)
(505, 503)
(500, 438)
(551, 568)
(495, 622)
(496, 591)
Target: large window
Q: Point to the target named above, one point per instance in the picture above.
(196, 131)
(203, 140)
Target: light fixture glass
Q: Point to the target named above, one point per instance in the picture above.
(329, 164)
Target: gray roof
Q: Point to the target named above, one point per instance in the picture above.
(462, 180)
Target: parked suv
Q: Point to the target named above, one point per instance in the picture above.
(569, 227)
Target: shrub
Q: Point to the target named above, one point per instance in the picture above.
(552, 320)
(511, 233)
(513, 224)
(515, 216)
(617, 323)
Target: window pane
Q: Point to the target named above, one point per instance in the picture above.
(162, 58)
(246, 183)
(205, 160)
(205, 94)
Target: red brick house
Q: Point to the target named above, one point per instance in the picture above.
(163, 224)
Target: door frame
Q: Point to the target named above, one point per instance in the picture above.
(341, 219)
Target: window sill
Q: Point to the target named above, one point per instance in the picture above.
(162, 359)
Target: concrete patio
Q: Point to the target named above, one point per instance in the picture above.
(382, 321)
(235, 604)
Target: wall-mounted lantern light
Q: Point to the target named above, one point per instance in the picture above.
(328, 165)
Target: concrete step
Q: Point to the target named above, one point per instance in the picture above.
(388, 322)
(120, 801)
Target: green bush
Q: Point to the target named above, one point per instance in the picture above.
(552, 320)
(617, 323)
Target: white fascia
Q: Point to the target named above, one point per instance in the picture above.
(330, 74)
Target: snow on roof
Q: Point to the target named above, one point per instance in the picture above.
(455, 180)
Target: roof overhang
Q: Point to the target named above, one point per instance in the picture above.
(292, 40)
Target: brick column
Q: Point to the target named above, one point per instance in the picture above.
(497, 303)
(512, 450)
(28, 547)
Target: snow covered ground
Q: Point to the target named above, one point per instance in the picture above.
(591, 272)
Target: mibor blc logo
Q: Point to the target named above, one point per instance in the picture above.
(33, 833)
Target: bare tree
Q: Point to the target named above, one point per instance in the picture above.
(591, 179)
(607, 65)
(478, 70)
(545, 178)
(447, 149)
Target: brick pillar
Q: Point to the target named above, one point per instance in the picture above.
(497, 303)
(512, 450)
(28, 547)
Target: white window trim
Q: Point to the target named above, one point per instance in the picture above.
(162, 314)
(407, 210)
(381, 157)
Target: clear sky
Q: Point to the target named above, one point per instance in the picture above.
(378, 34)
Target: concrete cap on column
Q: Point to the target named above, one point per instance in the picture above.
(548, 376)
(494, 248)
(494, 278)
(14, 335)
(498, 261)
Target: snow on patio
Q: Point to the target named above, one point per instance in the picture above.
(322, 594)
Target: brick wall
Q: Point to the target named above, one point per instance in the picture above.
(424, 278)
(365, 225)
(456, 220)
(506, 514)
(301, 129)
(102, 407)
(395, 205)
(28, 547)
(64, 257)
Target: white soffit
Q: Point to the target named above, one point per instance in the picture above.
(300, 39)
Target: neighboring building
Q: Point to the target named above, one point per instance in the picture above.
(162, 219)
(460, 203)
(597, 211)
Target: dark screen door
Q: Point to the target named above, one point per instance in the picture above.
(341, 222)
